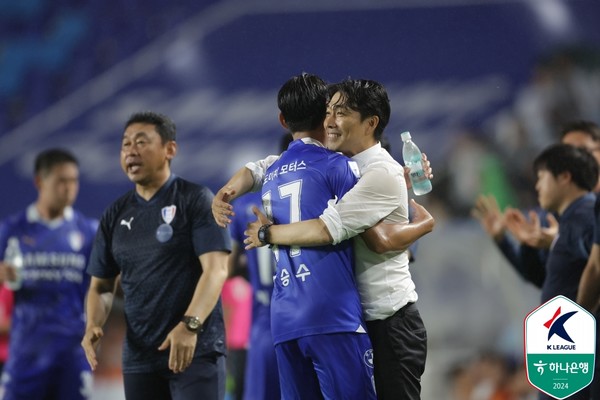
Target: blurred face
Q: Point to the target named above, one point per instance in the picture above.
(58, 187)
(144, 158)
(548, 190)
(583, 140)
(345, 131)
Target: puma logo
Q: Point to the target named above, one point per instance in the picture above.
(127, 223)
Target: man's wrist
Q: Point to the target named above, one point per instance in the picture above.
(192, 324)
(263, 234)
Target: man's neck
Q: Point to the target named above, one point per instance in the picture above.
(48, 213)
(318, 134)
(148, 190)
(569, 198)
(365, 145)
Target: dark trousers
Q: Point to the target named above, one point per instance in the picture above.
(399, 350)
(203, 379)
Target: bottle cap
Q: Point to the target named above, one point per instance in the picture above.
(405, 135)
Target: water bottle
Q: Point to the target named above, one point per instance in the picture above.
(14, 257)
(412, 159)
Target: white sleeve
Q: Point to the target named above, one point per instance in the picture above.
(259, 170)
(378, 192)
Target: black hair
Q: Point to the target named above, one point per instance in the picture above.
(47, 159)
(589, 127)
(560, 158)
(302, 101)
(163, 124)
(368, 97)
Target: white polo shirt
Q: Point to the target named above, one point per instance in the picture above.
(384, 280)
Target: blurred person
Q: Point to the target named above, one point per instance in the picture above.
(261, 363)
(47, 323)
(6, 306)
(171, 257)
(357, 115)
(566, 177)
(236, 297)
(540, 228)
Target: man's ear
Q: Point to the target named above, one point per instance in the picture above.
(171, 149)
(282, 121)
(564, 177)
(373, 122)
(37, 182)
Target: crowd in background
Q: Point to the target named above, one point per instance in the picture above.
(494, 158)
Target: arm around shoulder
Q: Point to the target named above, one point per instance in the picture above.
(385, 237)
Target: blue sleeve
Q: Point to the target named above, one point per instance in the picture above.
(527, 261)
(340, 175)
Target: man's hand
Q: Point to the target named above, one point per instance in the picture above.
(421, 215)
(221, 207)
(7, 272)
(530, 232)
(251, 231)
(182, 343)
(488, 213)
(90, 343)
(426, 169)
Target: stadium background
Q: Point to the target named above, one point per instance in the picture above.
(482, 86)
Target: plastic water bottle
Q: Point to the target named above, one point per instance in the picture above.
(14, 257)
(412, 159)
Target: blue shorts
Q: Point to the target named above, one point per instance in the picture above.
(262, 376)
(203, 379)
(53, 374)
(328, 366)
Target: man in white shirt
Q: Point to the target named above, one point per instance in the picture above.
(356, 117)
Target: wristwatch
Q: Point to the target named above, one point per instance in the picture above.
(192, 324)
(263, 233)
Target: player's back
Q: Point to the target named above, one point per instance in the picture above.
(314, 288)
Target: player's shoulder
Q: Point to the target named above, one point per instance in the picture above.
(111, 212)
(89, 223)
(191, 190)
(10, 222)
(341, 162)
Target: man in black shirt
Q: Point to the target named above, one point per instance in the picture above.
(162, 241)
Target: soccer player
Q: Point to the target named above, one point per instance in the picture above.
(172, 260)
(321, 344)
(261, 364)
(55, 242)
(357, 114)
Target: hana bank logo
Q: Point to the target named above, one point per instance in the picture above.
(556, 327)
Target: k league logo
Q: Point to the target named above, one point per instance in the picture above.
(560, 344)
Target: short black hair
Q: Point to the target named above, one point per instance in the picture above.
(560, 158)
(589, 127)
(366, 96)
(164, 125)
(302, 101)
(47, 159)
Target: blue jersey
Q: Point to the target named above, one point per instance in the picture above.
(314, 289)
(48, 315)
(155, 245)
(261, 364)
(261, 266)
